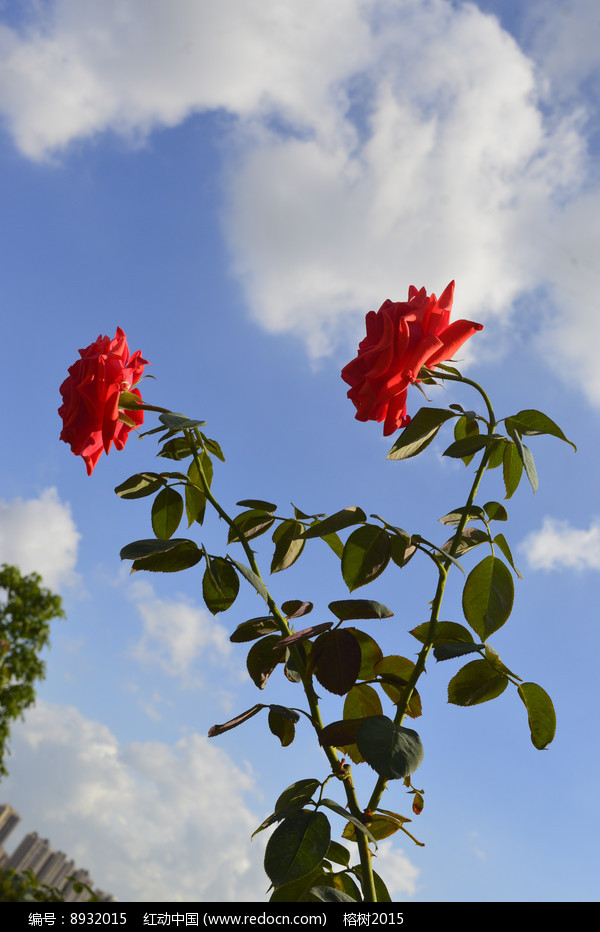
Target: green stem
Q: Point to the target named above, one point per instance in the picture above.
(443, 570)
(367, 879)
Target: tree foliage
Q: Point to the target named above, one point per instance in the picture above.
(26, 610)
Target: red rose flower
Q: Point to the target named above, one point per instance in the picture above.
(401, 338)
(91, 392)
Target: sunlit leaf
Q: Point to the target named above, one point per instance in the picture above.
(531, 422)
(336, 522)
(288, 545)
(167, 512)
(444, 631)
(541, 714)
(220, 585)
(297, 795)
(419, 433)
(253, 629)
(249, 524)
(140, 485)
(488, 596)
(512, 469)
(366, 555)
(476, 682)
(282, 725)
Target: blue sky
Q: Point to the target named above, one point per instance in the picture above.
(236, 185)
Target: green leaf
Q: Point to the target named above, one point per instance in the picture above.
(476, 682)
(454, 649)
(262, 660)
(140, 549)
(336, 522)
(253, 629)
(203, 462)
(337, 660)
(167, 512)
(401, 550)
(444, 631)
(488, 596)
(381, 890)
(337, 853)
(297, 795)
(394, 752)
(212, 447)
(495, 511)
(362, 701)
(176, 449)
(366, 555)
(220, 585)
(140, 485)
(470, 445)
(502, 543)
(288, 545)
(512, 468)
(282, 726)
(182, 556)
(380, 827)
(394, 687)
(526, 457)
(252, 578)
(470, 537)
(195, 504)
(179, 421)
(163, 556)
(419, 433)
(249, 524)
(335, 807)
(370, 654)
(297, 846)
(130, 401)
(466, 427)
(257, 504)
(329, 895)
(350, 609)
(541, 714)
(531, 422)
(453, 518)
(298, 891)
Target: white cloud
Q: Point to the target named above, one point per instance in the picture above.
(176, 634)
(39, 535)
(148, 821)
(374, 144)
(130, 65)
(558, 545)
(400, 874)
(563, 38)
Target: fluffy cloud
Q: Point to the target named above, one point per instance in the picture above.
(176, 634)
(558, 545)
(148, 821)
(374, 144)
(39, 535)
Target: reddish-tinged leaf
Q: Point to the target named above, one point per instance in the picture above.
(337, 660)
